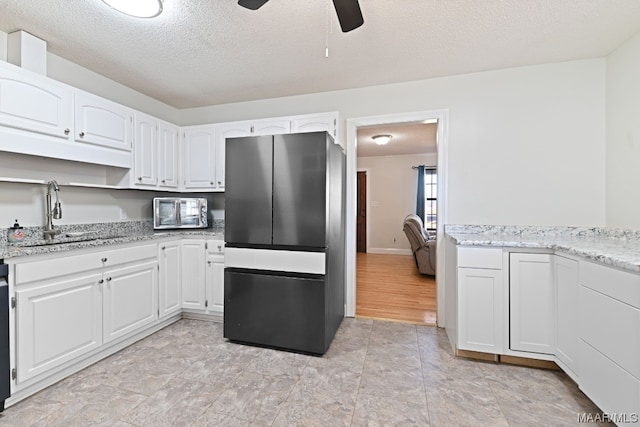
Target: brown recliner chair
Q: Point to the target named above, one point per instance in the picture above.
(422, 244)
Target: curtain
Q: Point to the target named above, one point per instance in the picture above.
(420, 194)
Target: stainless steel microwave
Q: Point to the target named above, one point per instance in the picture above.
(179, 212)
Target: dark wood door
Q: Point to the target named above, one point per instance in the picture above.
(361, 225)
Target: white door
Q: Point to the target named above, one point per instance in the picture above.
(480, 310)
(145, 152)
(215, 283)
(168, 155)
(193, 274)
(566, 277)
(34, 104)
(102, 122)
(170, 288)
(130, 299)
(224, 131)
(57, 323)
(199, 157)
(531, 303)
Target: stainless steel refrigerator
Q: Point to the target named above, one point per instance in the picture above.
(285, 240)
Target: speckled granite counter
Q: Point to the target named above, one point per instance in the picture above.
(615, 247)
(82, 236)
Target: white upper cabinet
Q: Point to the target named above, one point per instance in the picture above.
(34, 103)
(224, 131)
(199, 157)
(270, 127)
(102, 122)
(145, 153)
(316, 123)
(168, 156)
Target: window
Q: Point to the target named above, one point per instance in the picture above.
(430, 198)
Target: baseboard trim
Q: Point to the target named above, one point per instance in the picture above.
(389, 251)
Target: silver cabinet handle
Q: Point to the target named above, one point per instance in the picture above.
(164, 181)
(101, 281)
(219, 182)
(219, 248)
(211, 182)
(209, 262)
(108, 279)
(66, 131)
(104, 260)
(139, 178)
(163, 248)
(81, 134)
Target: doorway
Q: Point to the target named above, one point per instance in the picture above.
(439, 116)
(361, 206)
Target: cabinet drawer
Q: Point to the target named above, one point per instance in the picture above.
(611, 327)
(480, 257)
(609, 386)
(65, 264)
(215, 246)
(617, 284)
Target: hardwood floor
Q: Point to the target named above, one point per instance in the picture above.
(390, 287)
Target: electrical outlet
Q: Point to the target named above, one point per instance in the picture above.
(123, 214)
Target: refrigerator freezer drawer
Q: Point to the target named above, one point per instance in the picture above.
(281, 311)
(276, 260)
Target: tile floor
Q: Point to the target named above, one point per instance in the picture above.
(375, 374)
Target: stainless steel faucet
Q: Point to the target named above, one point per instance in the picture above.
(55, 213)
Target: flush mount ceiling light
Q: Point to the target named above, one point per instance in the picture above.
(381, 139)
(137, 8)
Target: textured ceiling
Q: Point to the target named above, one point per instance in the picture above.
(406, 139)
(206, 52)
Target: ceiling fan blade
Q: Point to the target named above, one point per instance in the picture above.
(252, 4)
(349, 14)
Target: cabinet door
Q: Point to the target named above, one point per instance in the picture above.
(102, 122)
(224, 131)
(480, 310)
(193, 274)
(56, 323)
(531, 303)
(34, 104)
(130, 299)
(168, 155)
(215, 283)
(276, 127)
(170, 288)
(565, 273)
(145, 152)
(199, 157)
(315, 124)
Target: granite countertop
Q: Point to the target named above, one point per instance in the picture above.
(82, 236)
(616, 247)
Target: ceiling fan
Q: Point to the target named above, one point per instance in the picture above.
(348, 11)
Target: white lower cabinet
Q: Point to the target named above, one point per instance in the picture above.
(56, 323)
(193, 275)
(130, 299)
(532, 311)
(68, 306)
(203, 276)
(169, 279)
(480, 300)
(215, 276)
(565, 273)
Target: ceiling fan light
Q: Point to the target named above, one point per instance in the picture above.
(381, 139)
(136, 8)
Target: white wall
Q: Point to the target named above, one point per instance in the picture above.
(392, 190)
(623, 136)
(526, 145)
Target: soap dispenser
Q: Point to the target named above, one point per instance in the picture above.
(16, 233)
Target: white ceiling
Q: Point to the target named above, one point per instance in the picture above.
(406, 139)
(206, 52)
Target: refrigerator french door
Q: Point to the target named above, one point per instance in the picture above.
(279, 288)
